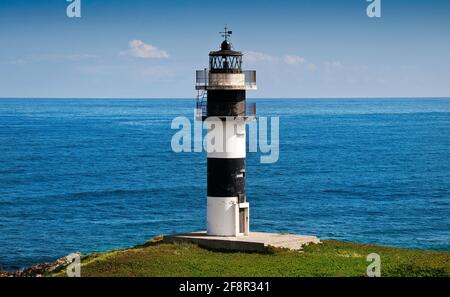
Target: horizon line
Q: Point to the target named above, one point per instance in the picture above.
(193, 98)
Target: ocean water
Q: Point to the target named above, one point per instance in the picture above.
(95, 175)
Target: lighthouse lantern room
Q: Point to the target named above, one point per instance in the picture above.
(224, 87)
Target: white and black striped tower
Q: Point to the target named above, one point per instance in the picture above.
(224, 85)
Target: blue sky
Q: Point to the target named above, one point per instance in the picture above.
(151, 48)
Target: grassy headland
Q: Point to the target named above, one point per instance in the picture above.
(330, 258)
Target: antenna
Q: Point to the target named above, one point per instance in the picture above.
(226, 33)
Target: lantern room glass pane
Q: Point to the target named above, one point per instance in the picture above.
(225, 63)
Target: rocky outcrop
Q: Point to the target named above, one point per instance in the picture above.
(40, 270)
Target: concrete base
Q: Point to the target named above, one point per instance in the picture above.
(254, 242)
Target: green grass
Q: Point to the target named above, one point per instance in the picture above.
(331, 258)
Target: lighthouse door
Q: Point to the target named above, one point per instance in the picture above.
(242, 220)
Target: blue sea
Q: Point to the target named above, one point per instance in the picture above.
(95, 175)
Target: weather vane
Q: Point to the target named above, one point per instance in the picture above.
(226, 33)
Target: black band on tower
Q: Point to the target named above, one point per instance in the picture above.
(226, 177)
(226, 103)
(226, 95)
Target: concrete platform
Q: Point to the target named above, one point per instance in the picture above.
(254, 242)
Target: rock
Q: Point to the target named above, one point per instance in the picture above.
(40, 270)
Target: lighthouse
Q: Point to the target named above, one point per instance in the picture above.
(222, 107)
(221, 102)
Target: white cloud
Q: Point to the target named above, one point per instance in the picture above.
(336, 64)
(257, 56)
(312, 67)
(140, 49)
(293, 60)
(263, 57)
(331, 66)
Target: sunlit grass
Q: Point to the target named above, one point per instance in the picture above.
(331, 258)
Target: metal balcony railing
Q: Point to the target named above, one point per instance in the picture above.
(250, 78)
(202, 110)
(202, 79)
